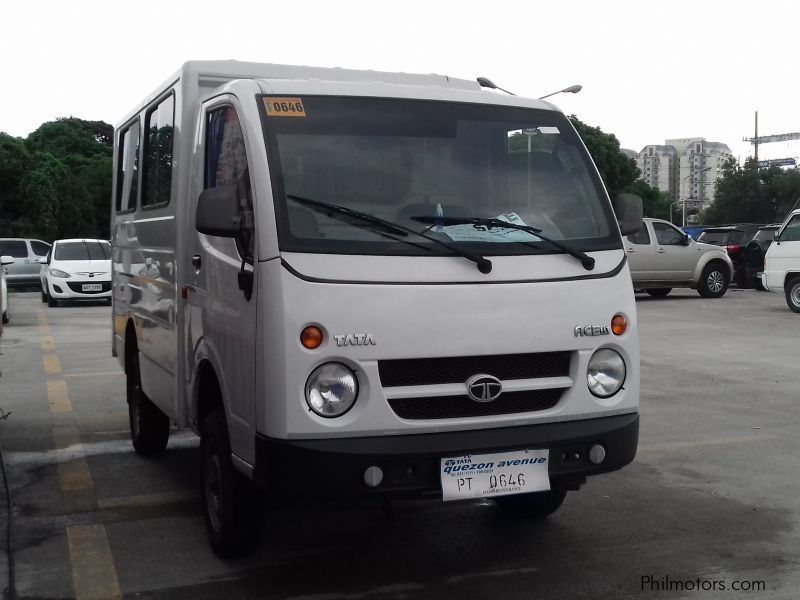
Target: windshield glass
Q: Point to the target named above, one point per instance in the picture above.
(87, 250)
(401, 159)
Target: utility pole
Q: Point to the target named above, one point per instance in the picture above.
(755, 141)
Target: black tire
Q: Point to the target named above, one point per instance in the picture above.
(149, 426)
(742, 280)
(44, 297)
(532, 506)
(714, 280)
(658, 292)
(232, 507)
(758, 285)
(793, 294)
(5, 318)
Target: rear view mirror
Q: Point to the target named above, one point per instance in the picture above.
(218, 212)
(628, 209)
(43, 260)
(6, 260)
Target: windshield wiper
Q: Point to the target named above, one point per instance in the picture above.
(332, 210)
(586, 260)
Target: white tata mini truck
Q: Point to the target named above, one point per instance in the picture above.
(357, 283)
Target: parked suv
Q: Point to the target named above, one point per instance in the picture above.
(26, 254)
(733, 238)
(662, 257)
(782, 262)
(754, 253)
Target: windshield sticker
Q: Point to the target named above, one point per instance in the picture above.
(284, 107)
(482, 233)
(549, 130)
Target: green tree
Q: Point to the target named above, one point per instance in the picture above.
(15, 162)
(747, 194)
(618, 171)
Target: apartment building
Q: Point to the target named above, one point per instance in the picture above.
(685, 168)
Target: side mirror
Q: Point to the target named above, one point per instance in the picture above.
(687, 239)
(43, 260)
(6, 260)
(628, 209)
(218, 212)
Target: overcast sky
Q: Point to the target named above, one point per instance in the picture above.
(650, 70)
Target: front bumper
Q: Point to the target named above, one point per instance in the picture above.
(411, 463)
(72, 289)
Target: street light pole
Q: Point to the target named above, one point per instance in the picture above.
(685, 199)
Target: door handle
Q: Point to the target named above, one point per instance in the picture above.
(631, 250)
(661, 251)
(196, 261)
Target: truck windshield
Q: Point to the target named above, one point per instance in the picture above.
(400, 160)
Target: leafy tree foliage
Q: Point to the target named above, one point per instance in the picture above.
(57, 182)
(747, 194)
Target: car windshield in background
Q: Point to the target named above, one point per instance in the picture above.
(722, 237)
(400, 159)
(88, 250)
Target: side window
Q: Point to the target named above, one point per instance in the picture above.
(666, 235)
(40, 248)
(157, 174)
(791, 233)
(128, 168)
(640, 237)
(226, 165)
(14, 248)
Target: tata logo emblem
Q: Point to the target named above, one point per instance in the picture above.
(484, 388)
(355, 339)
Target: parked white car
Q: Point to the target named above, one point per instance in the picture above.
(5, 260)
(782, 262)
(76, 269)
(663, 257)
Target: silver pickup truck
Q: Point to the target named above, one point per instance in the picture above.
(663, 257)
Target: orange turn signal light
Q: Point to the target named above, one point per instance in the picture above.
(311, 337)
(619, 324)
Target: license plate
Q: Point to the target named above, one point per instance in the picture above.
(92, 287)
(501, 474)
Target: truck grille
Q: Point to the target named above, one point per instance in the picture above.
(454, 407)
(457, 369)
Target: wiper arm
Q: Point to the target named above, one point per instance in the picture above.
(586, 260)
(332, 210)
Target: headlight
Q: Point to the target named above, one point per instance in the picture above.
(606, 373)
(331, 390)
(59, 273)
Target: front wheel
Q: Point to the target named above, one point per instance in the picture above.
(714, 281)
(537, 505)
(149, 426)
(233, 512)
(5, 318)
(658, 292)
(793, 294)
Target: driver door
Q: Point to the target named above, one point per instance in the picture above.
(222, 317)
(675, 260)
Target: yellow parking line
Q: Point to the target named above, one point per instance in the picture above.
(105, 374)
(48, 344)
(93, 574)
(52, 366)
(58, 397)
(73, 475)
(147, 500)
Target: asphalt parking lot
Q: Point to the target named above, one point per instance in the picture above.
(711, 503)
